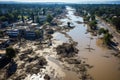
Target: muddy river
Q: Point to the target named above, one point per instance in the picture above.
(105, 65)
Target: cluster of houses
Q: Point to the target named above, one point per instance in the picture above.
(17, 33)
(27, 30)
(30, 32)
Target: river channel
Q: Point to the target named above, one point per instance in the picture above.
(105, 65)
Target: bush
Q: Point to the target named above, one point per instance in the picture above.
(10, 52)
(107, 38)
(42, 61)
(93, 25)
(102, 30)
(49, 18)
(1, 33)
(66, 50)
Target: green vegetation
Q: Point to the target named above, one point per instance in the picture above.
(102, 30)
(49, 18)
(10, 17)
(1, 33)
(39, 33)
(93, 24)
(43, 11)
(32, 16)
(23, 19)
(107, 36)
(42, 61)
(3, 18)
(66, 50)
(93, 17)
(10, 52)
(38, 20)
(108, 12)
(86, 18)
(35, 12)
(68, 23)
(116, 21)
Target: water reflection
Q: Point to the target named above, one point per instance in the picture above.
(60, 37)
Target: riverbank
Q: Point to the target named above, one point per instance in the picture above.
(112, 30)
(94, 55)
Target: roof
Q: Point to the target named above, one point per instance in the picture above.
(3, 40)
(2, 51)
(34, 24)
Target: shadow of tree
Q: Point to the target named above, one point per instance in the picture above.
(11, 69)
(4, 61)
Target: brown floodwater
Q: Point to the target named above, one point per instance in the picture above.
(105, 65)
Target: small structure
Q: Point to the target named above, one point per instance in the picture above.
(2, 52)
(30, 35)
(4, 43)
(34, 24)
(13, 33)
(4, 24)
(42, 18)
(49, 31)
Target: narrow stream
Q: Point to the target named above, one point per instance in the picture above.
(105, 66)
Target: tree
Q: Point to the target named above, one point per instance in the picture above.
(10, 52)
(23, 18)
(42, 61)
(10, 17)
(116, 22)
(93, 25)
(37, 33)
(93, 17)
(49, 18)
(32, 16)
(38, 20)
(86, 18)
(101, 30)
(43, 11)
(107, 38)
(47, 77)
(1, 33)
(3, 18)
(68, 23)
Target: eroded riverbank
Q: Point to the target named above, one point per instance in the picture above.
(90, 61)
(105, 66)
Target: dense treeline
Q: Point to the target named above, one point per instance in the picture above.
(108, 12)
(15, 12)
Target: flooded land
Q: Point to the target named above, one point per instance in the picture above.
(67, 51)
(105, 66)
